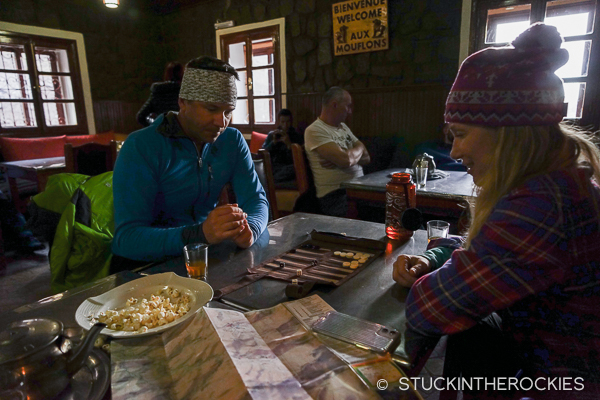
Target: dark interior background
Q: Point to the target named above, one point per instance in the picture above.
(398, 93)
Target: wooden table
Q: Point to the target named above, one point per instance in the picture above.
(444, 198)
(37, 170)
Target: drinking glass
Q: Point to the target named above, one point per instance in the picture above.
(437, 229)
(421, 174)
(196, 260)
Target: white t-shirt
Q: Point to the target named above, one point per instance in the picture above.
(329, 179)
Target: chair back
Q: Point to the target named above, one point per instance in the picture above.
(264, 170)
(303, 173)
(227, 195)
(90, 158)
(307, 202)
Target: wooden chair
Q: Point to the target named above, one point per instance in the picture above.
(303, 173)
(307, 201)
(227, 196)
(264, 170)
(3, 262)
(90, 158)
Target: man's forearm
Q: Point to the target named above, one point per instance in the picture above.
(333, 153)
(361, 153)
(365, 157)
(354, 155)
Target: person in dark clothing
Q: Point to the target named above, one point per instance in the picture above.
(16, 235)
(163, 95)
(279, 144)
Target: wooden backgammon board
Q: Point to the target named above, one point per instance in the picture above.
(326, 258)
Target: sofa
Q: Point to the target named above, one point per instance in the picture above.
(16, 149)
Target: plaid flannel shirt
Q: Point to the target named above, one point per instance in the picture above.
(536, 261)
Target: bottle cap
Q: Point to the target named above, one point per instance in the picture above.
(411, 219)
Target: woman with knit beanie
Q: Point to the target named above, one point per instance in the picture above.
(520, 298)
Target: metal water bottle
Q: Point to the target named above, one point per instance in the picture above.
(400, 195)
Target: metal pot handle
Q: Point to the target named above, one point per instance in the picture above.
(80, 355)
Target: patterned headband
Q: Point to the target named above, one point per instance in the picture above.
(208, 86)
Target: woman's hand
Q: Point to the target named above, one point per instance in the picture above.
(407, 269)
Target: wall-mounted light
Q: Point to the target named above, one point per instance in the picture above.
(111, 3)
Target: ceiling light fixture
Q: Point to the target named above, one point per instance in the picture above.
(111, 3)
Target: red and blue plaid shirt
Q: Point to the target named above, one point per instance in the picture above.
(536, 262)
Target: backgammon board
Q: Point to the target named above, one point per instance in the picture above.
(326, 258)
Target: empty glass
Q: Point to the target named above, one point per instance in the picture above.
(437, 229)
(421, 173)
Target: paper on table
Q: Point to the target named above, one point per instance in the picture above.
(261, 371)
(225, 354)
(308, 310)
(59, 165)
(218, 355)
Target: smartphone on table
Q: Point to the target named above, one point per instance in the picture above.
(361, 333)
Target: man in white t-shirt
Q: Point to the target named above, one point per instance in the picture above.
(334, 153)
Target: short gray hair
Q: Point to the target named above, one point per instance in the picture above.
(335, 93)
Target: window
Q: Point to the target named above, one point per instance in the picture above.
(497, 23)
(40, 87)
(256, 56)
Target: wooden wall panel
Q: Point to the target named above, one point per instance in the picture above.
(117, 116)
(413, 112)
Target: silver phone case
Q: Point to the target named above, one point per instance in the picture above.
(358, 332)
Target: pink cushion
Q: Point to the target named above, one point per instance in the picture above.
(15, 149)
(256, 141)
(102, 138)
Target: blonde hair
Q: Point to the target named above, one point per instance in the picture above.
(522, 152)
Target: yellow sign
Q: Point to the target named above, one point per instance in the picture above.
(360, 26)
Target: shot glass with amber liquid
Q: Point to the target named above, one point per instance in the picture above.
(196, 260)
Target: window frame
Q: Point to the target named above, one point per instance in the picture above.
(81, 85)
(247, 33)
(590, 115)
(30, 42)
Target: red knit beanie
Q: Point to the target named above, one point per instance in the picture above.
(511, 85)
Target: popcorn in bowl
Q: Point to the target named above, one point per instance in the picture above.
(141, 314)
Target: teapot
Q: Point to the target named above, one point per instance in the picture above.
(425, 157)
(36, 359)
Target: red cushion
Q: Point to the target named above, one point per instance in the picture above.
(15, 149)
(256, 141)
(102, 138)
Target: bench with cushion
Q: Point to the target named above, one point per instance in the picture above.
(18, 149)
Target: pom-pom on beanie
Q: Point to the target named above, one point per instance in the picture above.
(511, 85)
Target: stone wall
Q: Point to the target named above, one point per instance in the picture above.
(424, 41)
(128, 47)
(123, 46)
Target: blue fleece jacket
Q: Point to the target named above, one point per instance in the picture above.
(164, 189)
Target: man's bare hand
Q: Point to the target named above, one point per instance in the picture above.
(287, 140)
(407, 269)
(245, 238)
(282, 136)
(278, 136)
(224, 222)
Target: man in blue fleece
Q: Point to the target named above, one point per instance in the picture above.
(168, 176)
